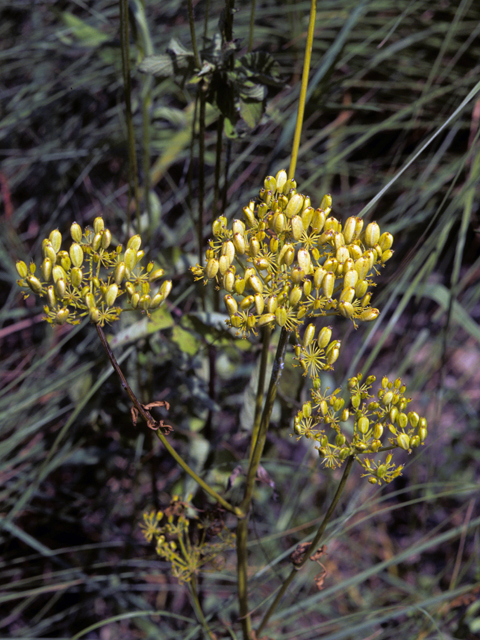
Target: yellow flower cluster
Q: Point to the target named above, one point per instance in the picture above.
(186, 552)
(380, 423)
(90, 277)
(286, 261)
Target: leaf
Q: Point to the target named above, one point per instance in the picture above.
(185, 340)
(251, 112)
(87, 35)
(160, 66)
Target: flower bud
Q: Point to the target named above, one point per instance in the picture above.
(368, 315)
(403, 441)
(106, 239)
(60, 288)
(231, 304)
(349, 230)
(62, 316)
(135, 242)
(328, 284)
(76, 232)
(56, 240)
(76, 254)
(76, 277)
(372, 234)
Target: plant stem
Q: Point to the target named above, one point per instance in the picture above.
(150, 420)
(255, 457)
(198, 609)
(303, 89)
(132, 155)
(252, 25)
(266, 335)
(313, 544)
(191, 21)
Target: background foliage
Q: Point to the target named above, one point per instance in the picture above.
(76, 476)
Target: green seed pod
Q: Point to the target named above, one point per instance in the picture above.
(328, 284)
(97, 241)
(340, 440)
(386, 255)
(253, 246)
(289, 256)
(56, 240)
(295, 205)
(58, 272)
(135, 242)
(60, 288)
(135, 299)
(350, 280)
(363, 424)
(249, 215)
(130, 289)
(415, 442)
(355, 251)
(62, 316)
(326, 203)
(309, 335)
(238, 227)
(330, 264)
(223, 264)
(272, 304)
(344, 415)
(387, 398)
(346, 309)
(413, 418)
(297, 275)
(281, 316)
(156, 301)
(323, 406)
(106, 239)
(139, 256)
(318, 220)
(231, 304)
(46, 269)
(281, 180)
(369, 315)
(166, 288)
(403, 441)
(342, 255)
(65, 261)
(229, 280)
(307, 288)
(94, 315)
(266, 318)
(361, 286)
(366, 300)
(372, 234)
(120, 271)
(144, 302)
(34, 284)
(21, 268)
(270, 183)
(338, 240)
(76, 277)
(239, 285)
(356, 400)
(49, 252)
(247, 302)
(228, 250)
(98, 225)
(385, 241)
(255, 283)
(76, 254)
(259, 304)
(239, 243)
(361, 266)
(331, 224)
(307, 217)
(333, 353)
(111, 295)
(295, 296)
(90, 300)
(130, 259)
(51, 299)
(324, 337)
(318, 276)
(377, 431)
(402, 420)
(297, 227)
(211, 269)
(422, 433)
(76, 232)
(347, 294)
(349, 230)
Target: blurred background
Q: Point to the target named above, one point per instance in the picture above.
(392, 132)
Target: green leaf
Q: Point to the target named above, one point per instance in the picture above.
(185, 340)
(160, 66)
(87, 35)
(251, 112)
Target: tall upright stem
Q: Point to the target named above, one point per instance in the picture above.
(303, 89)
(313, 544)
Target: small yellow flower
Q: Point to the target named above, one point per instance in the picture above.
(151, 527)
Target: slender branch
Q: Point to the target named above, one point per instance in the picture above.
(198, 609)
(303, 89)
(255, 457)
(266, 335)
(150, 420)
(313, 545)
(191, 20)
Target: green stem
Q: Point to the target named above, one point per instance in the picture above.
(150, 420)
(132, 155)
(255, 457)
(252, 25)
(266, 335)
(313, 544)
(191, 21)
(198, 609)
(303, 89)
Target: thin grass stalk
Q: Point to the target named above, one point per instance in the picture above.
(198, 609)
(266, 335)
(132, 155)
(191, 22)
(313, 545)
(303, 89)
(255, 457)
(252, 25)
(151, 421)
